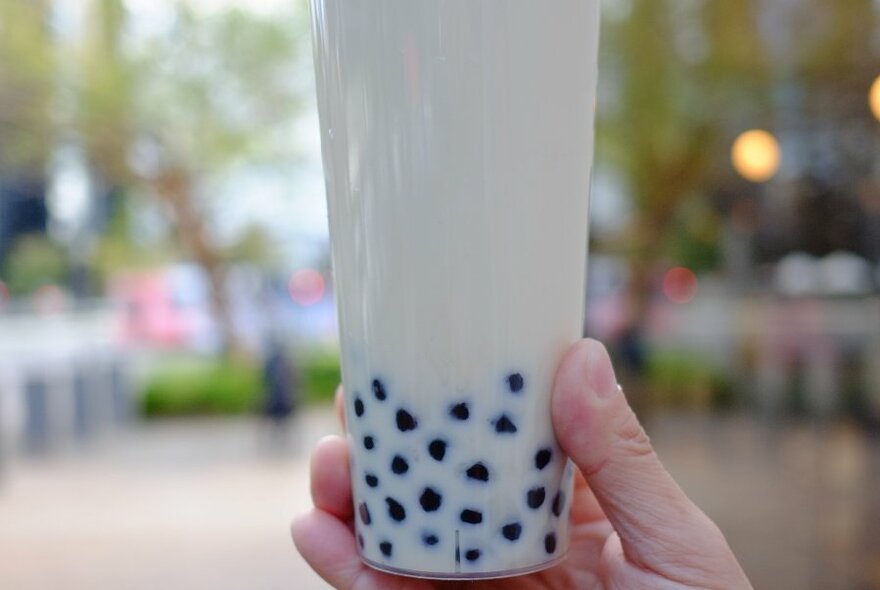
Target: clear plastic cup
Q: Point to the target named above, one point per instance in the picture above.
(458, 143)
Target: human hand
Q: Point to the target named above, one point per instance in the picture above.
(632, 526)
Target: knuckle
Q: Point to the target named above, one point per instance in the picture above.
(632, 439)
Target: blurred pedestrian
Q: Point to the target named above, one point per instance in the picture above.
(280, 385)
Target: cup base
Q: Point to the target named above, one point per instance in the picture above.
(464, 575)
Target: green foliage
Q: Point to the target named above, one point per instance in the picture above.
(681, 379)
(694, 237)
(34, 262)
(254, 246)
(320, 376)
(200, 388)
(212, 387)
(27, 81)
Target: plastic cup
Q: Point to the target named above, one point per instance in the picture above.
(457, 143)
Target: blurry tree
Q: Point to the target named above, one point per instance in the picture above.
(33, 263)
(173, 111)
(673, 69)
(27, 76)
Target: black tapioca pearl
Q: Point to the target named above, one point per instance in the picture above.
(386, 548)
(516, 382)
(371, 480)
(535, 497)
(430, 500)
(358, 407)
(469, 516)
(369, 443)
(512, 531)
(364, 513)
(395, 510)
(550, 543)
(460, 411)
(361, 540)
(437, 449)
(543, 458)
(558, 503)
(472, 554)
(504, 425)
(478, 471)
(399, 465)
(430, 539)
(379, 390)
(406, 421)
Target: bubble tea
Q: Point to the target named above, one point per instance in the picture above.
(457, 142)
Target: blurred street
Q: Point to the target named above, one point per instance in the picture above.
(207, 504)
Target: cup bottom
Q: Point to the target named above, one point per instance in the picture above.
(465, 575)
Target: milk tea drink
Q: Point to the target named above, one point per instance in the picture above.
(457, 144)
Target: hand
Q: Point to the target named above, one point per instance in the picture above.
(632, 526)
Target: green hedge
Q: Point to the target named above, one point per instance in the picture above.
(681, 379)
(212, 387)
(319, 376)
(202, 389)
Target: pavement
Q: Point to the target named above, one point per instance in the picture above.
(206, 504)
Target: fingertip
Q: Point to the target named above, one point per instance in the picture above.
(570, 406)
(331, 478)
(328, 546)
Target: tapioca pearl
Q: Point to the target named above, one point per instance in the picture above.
(364, 513)
(371, 480)
(379, 390)
(478, 471)
(550, 543)
(430, 539)
(437, 449)
(460, 412)
(386, 548)
(535, 497)
(358, 406)
(406, 421)
(395, 510)
(543, 458)
(369, 443)
(361, 540)
(472, 554)
(431, 500)
(511, 531)
(504, 425)
(558, 503)
(515, 382)
(469, 516)
(399, 465)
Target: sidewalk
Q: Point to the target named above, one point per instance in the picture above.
(205, 505)
(178, 505)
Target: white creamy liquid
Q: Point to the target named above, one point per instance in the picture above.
(458, 142)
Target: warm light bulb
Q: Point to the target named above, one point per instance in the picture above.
(875, 97)
(756, 155)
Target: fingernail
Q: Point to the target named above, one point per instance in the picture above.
(600, 372)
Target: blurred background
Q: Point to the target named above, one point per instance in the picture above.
(168, 347)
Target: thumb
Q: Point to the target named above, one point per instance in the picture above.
(596, 427)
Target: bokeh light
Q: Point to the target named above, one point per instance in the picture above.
(756, 155)
(680, 285)
(875, 98)
(306, 287)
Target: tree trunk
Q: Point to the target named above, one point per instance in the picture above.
(175, 188)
